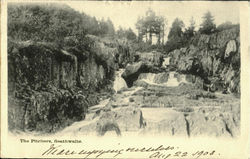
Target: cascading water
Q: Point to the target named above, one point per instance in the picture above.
(172, 81)
(149, 78)
(161, 79)
(119, 82)
(166, 61)
(183, 79)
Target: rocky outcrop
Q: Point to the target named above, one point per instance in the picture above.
(118, 121)
(144, 62)
(126, 52)
(172, 125)
(215, 58)
(183, 110)
(132, 71)
(50, 87)
(126, 119)
(170, 111)
(124, 49)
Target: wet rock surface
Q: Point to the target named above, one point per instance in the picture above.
(132, 71)
(170, 111)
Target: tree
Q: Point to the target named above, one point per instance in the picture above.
(176, 29)
(111, 29)
(190, 31)
(207, 26)
(128, 34)
(141, 28)
(120, 32)
(150, 25)
(175, 36)
(225, 25)
(57, 24)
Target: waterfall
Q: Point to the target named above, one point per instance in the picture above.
(119, 82)
(163, 79)
(149, 78)
(166, 61)
(183, 79)
(172, 81)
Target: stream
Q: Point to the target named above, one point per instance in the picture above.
(160, 109)
(119, 84)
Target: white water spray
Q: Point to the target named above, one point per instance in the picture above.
(172, 81)
(119, 82)
(166, 61)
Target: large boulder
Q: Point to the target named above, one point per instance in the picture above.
(173, 124)
(230, 48)
(132, 71)
(119, 120)
(214, 122)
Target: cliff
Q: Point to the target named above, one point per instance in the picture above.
(215, 58)
(50, 87)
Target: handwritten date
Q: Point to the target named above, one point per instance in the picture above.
(180, 154)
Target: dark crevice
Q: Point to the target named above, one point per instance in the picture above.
(228, 129)
(172, 131)
(187, 125)
(23, 118)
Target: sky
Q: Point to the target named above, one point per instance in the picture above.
(125, 13)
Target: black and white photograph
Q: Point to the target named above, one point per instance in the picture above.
(124, 69)
(119, 71)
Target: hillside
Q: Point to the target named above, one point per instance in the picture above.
(69, 73)
(56, 69)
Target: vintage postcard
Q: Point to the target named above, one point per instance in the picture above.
(125, 79)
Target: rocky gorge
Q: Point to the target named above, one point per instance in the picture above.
(72, 79)
(175, 99)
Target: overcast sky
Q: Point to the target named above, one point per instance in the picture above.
(125, 14)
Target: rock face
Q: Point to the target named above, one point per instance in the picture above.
(230, 48)
(132, 71)
(215, 58)
(125, 119)
(124, 50)
(170, 111)
(144, 62)
(151, 110)
(117, 120)
(50, 87)
(173, 124)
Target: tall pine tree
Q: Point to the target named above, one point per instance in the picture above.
(208, 26)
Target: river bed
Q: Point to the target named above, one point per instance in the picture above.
(167, 114)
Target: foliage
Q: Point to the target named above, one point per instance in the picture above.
(149, 25)
(126, 33)
(175, 36)
(53, 23)
(190, 31)
(106, 27)
(226, 25)
(208, 26)
(176, 29)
